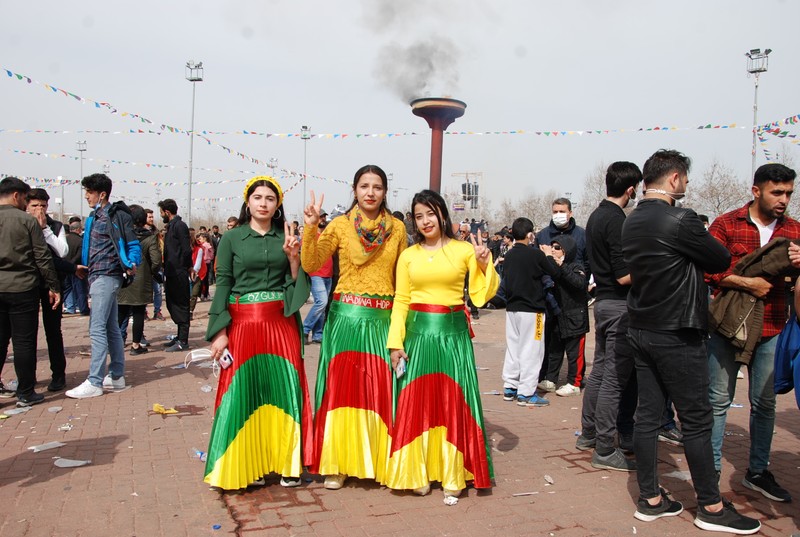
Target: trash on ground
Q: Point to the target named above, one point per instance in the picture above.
(161, 409)
(54, 409)
(548, 479)
(525, 493)
(15, 411)
(205, 388)
(216, 526)
(492, 392)
(70, 463)
(683, 475)
(66, 427)
(179, 366)
(195, 453)
(482, 368)
(45, 447)
(3, 417)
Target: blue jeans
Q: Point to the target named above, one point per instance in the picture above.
(722, 374)
(315, 320)
(157, 297)
(104, 330)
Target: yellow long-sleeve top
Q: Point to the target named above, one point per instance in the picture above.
(375, 277)
(437, 277)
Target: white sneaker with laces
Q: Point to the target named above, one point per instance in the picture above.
(110, 384)
(567, 390)
(84, 391)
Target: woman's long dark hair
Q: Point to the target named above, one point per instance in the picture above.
(278, 219)
(370, 168)
(432, 199)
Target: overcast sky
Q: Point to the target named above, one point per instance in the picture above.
(346, 67)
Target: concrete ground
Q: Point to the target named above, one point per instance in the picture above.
(142, 481)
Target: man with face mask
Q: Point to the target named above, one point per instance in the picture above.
(609, 398)
(741, 232)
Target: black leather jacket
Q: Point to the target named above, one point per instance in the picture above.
(667, 250)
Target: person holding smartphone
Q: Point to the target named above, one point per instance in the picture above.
(439, 433)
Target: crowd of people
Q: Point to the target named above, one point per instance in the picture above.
(397, 398)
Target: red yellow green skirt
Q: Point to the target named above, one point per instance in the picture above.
(439, 432)
(353, 419)
(262, 414)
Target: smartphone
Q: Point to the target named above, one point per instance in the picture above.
(226, 360)
(400, 370)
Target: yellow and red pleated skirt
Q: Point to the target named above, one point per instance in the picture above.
(354, 394)
(439, 432)
(262, 413)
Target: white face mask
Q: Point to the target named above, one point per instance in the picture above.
(560, 219)
(676, 196)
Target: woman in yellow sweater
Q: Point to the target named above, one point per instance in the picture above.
(438, 433)
(353, 421)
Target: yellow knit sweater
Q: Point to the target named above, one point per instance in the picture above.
(375, 277)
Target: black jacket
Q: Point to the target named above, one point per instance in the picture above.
(571, 292)
(667, 249)
(177, 251)
(548, 234)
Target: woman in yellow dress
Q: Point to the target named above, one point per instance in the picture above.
(354, 393)
(439, 432)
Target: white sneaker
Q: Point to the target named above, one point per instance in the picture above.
(547, 386)
(84, 391)
(290, 482)
(567, 390)
(110, 384)
(334, 481)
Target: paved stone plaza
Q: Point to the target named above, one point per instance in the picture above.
(142, 481)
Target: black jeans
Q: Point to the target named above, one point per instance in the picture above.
(124, 313)
(51, 319)
(19, 323)
(674, 364)
(556, 348)
(176, 291)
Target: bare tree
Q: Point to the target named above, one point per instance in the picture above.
(718, 191)
(594, 191)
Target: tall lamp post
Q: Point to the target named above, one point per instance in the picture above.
(305, 134)
(757, 63)
(61, 180)
(81, 149)
(272, 164)
(194, 74)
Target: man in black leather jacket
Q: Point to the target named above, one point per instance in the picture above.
(668, 249)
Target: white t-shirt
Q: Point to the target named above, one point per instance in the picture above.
(765, 232)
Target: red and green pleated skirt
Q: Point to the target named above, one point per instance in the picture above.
(439, 432)
(354, 397)
(262, 413)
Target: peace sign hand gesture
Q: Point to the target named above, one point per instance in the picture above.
(311, 212)
(482, 253)
(291, 246)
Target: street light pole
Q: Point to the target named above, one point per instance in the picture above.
(305, 134)
(757, 63)
(61, 180)
(272, 164)
(81, 149)
(194, 74)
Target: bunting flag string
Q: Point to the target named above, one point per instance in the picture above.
(283, 172)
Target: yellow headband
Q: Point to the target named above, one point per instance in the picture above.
(268, 179)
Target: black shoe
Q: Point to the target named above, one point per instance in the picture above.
(765, 483)
(666, 507)
(626, 443)
(57, 384)
(585, 443)
(670, 436)
(29, 400)
(135, 351)
(728, 520)
(177, 346)
(171, 341)
(615, 461)
(144, 342)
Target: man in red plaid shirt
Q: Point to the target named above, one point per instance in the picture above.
(742, 231)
